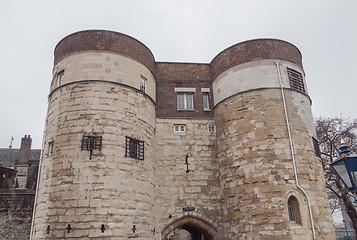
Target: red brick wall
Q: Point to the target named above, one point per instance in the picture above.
(190, 75)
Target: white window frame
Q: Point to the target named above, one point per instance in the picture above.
(60, 77)
(179, 128)
(143, 83)
(186, 104)
(211, 127)
(205, 102)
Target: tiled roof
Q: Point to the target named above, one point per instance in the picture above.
(9, 156)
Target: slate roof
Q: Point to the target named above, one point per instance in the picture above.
(9, 156)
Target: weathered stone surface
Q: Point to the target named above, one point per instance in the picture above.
(232, 183)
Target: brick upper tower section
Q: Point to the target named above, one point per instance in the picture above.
(252, 50)
(102, 40)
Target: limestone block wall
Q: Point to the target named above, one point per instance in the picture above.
(254, 157)
(175, 188)
(230, 184)
(251, 75)
(109, 189)
(101, 65)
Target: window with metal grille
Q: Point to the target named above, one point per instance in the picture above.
(296, 80)
(185, 101)
(316, 147)
(134, 148)
(91, 143)
(293, 209)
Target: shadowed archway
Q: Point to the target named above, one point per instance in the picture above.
(197, 227)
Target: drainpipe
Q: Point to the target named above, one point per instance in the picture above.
(292, 150)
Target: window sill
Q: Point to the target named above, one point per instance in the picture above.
(187, 110)
(207, 110)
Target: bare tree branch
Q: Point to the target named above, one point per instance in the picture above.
(329, 132)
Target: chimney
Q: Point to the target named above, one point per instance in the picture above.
(25, 149)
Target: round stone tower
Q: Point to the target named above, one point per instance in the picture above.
(96, 170)
(272, 183)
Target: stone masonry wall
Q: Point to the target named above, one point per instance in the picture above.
(109, 189)
(103, 66)
(175, 188)
(16, 213)
(256, 168)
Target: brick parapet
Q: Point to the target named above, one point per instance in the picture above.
(182, 71)
(254, 49)
(101, 40)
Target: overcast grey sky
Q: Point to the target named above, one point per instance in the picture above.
(325, 31)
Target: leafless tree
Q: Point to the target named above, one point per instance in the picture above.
(329, 132)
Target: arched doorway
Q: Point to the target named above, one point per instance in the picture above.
(197, 228)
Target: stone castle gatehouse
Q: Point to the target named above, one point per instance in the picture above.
(135, 148)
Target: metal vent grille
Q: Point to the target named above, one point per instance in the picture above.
(296, 81)
(316, 147)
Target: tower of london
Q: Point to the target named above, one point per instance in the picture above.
(139, 149)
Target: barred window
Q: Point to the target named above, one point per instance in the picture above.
(134, 148)
(296, 80)
(316, 147)
(91, 143)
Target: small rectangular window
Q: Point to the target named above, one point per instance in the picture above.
(316, 147)
(211, 127)
(205, 102)
(134, 148)
(143, 83)
(91, 143)
(296, 80)
(185, 101)
(179, 128)
(60, 76)
(51, 146)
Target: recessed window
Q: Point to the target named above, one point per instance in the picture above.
(316, 147)
(91, 143)
(205, 102)
(51, 146)
(134, 148)
(294, 212)
(143, 83)
(185, 101)
(179, 128)
(211, 127)
(60, 76)
(296, 80)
